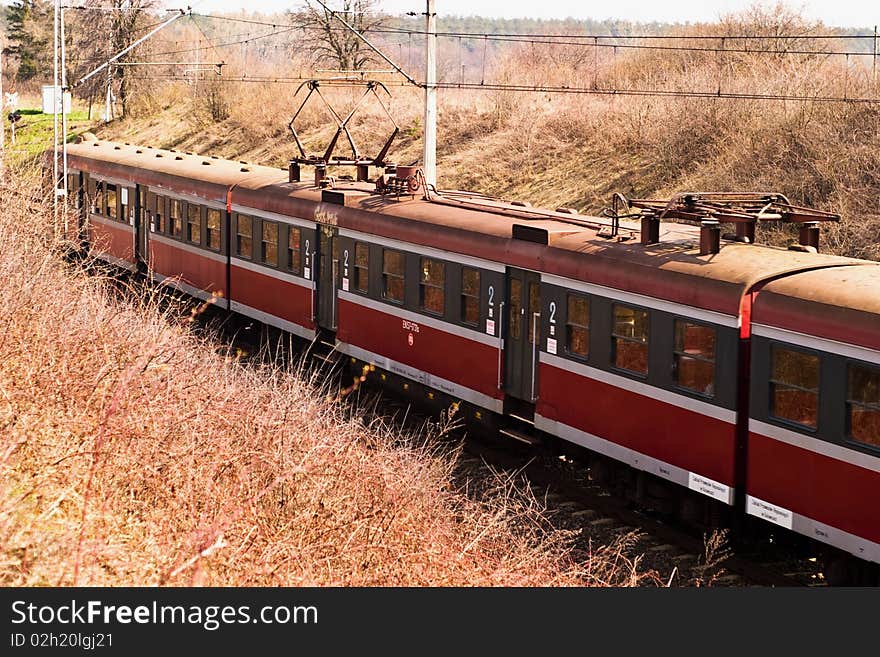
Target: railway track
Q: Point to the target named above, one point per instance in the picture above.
(597, 515)
(677, 555)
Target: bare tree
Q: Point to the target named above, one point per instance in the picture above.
(96, 32)
(331, 41)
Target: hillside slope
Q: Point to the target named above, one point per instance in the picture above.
(818, 142)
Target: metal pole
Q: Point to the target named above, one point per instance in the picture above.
(430, 138)
(55, 122)
(874, 76)
(381, 54)
(64, 122)
(2, 111)
(131, 47)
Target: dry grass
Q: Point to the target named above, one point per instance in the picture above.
(132, 453)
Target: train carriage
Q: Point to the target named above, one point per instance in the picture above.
(814, 420)
(678, 361)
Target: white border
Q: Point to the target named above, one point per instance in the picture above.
(443, 385)
(272, 320)
(860, 547)
(428, 251)
(273, 216)
(189, 198)
(178, 284)
(640, 461)
(710, 316)
(641, 388)
(188, 247)
(113, 260)
(819, 344)
(816, 445)
(110, 179)
(272, 273)
(112, 223)
(435, 323)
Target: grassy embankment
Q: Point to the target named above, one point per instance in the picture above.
(133, 451)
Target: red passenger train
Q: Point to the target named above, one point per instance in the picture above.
(743, 373)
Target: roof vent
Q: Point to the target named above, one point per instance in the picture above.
(521, 204)
(117, 148)
(206, 163)
(710, 237)
(566, 211)
(214, 157)
(159, 155)
(245, 170)
(139, 150)
(96, 144)
(530, 234)
(178, 157)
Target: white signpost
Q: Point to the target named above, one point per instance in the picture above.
(52, 96)
(10, 102)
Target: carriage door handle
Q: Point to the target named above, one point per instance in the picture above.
(334, 272)
(312, 278)
(500, 342)
(535, 317)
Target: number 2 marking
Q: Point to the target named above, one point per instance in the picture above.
(552, 312)
(491, 296)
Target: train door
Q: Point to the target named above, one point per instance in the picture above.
(141, 225)
(523, 328)
(74, 218)
(328, 275)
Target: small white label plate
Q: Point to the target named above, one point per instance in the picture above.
(709, 487)
(770, 512)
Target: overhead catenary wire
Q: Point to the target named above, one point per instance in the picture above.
(586, 36)
(475, 86)
(584, 41)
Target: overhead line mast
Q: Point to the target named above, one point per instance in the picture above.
(429, 153)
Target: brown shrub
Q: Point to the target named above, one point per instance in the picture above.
(133, 453)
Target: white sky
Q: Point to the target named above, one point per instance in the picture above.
(843, 13)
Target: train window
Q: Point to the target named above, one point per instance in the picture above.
(515, 309)
(629, 339)
(243, 236)
(794, 386)
(294, 250)
(193, 224)
(693, 365)
(123, 206)
(269, 243)
(577, 337)
(534, 304)
(160, 223)
(176, 213)
(863, 404)
(432, 286)
(111, 201)
(393, 276)
(213, 228)
(98, 198)
(470, 296)
(362, 268)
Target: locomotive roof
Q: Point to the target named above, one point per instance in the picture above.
(840, 304)
(671, 269)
